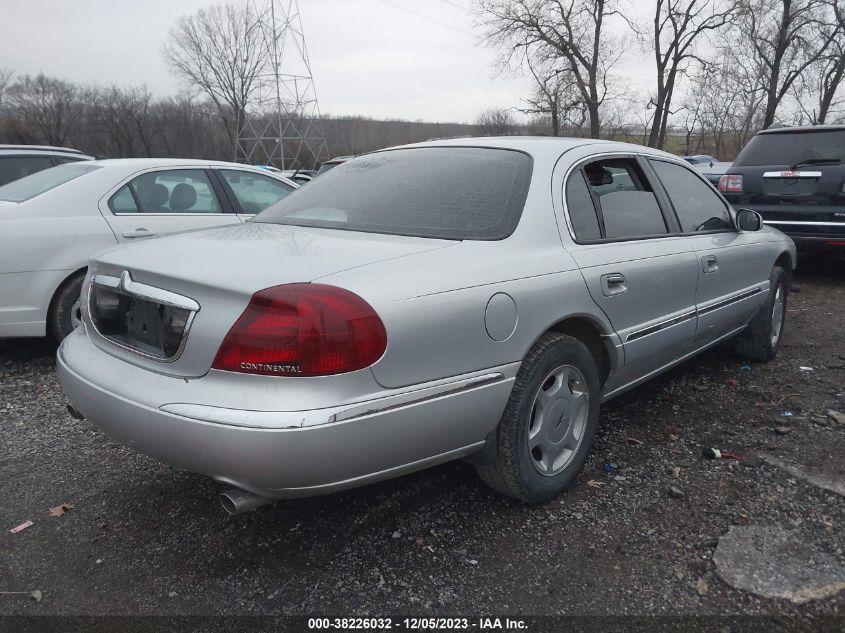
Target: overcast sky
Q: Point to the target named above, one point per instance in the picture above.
(382, 58)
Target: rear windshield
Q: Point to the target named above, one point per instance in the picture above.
(38, 183)
(790, 148)
(457, 193)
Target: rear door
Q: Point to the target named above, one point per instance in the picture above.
(641, 275)
(166, 201)
(732, 265)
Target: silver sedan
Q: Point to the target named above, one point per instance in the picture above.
(472, 298)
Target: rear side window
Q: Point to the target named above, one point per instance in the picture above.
(438, 192)
(626, 205)
(43, 181)
(123, 201)
(16, 167)
(791, 148)
(170, 191)
(697, 206)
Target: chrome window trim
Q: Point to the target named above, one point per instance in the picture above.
(126, 285)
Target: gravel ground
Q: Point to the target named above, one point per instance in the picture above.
(144, 538)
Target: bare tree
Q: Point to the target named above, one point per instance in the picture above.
(727, 107)
(784, 39)
(816, 92)
(127, 118)
(555, 99)
(220, 52)
(677, 27)
(6, 76)
(496, 122)
(44, 109)
(571, 32)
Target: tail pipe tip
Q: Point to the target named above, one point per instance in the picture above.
(237, 501)
(76, 415)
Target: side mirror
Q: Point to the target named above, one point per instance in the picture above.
(748, 220)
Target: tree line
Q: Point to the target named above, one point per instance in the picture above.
(120, 122)
(722, 69)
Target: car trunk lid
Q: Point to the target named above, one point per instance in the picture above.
(167, 303)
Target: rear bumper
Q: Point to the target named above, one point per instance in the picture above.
(286, 453)
(811, 233)
(809, 243)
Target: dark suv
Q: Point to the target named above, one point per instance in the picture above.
(795, 178)
(17, 161)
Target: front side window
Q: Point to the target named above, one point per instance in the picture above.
(454, 193)
(43, 181)
(254, 192)
(696, 204)
(627, 206)
(171, 191)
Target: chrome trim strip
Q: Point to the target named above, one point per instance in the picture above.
(793, 222)
(652, 329)
(726, 302)
(657, 327)
(786, 173)
(329, 415)
(125, 285)
(143, 291)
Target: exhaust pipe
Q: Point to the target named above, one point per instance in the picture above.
(76, 415)
(237, 501)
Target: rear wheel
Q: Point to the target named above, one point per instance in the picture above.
(65, 309)
(549, 424)
(761, 339)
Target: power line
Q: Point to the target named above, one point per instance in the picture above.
(426, 17)
(456, 5)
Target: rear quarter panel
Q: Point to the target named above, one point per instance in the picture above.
(433, 306)
(42, 242)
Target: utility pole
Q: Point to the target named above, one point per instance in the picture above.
(283, 128)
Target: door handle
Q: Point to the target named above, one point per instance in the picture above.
(613, 284)
(140, 232)
(709, 264)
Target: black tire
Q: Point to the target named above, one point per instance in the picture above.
(59, 318)
(511, 469)
(757, 342)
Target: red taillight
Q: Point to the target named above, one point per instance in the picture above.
(730, 184)
(303, 330)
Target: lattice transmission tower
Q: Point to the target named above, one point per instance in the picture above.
(283, 126)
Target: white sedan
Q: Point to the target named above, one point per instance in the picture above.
(54, 221)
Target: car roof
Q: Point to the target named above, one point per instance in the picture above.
(540, 145)
(41, 148)
(145, 163)
(799, 129)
